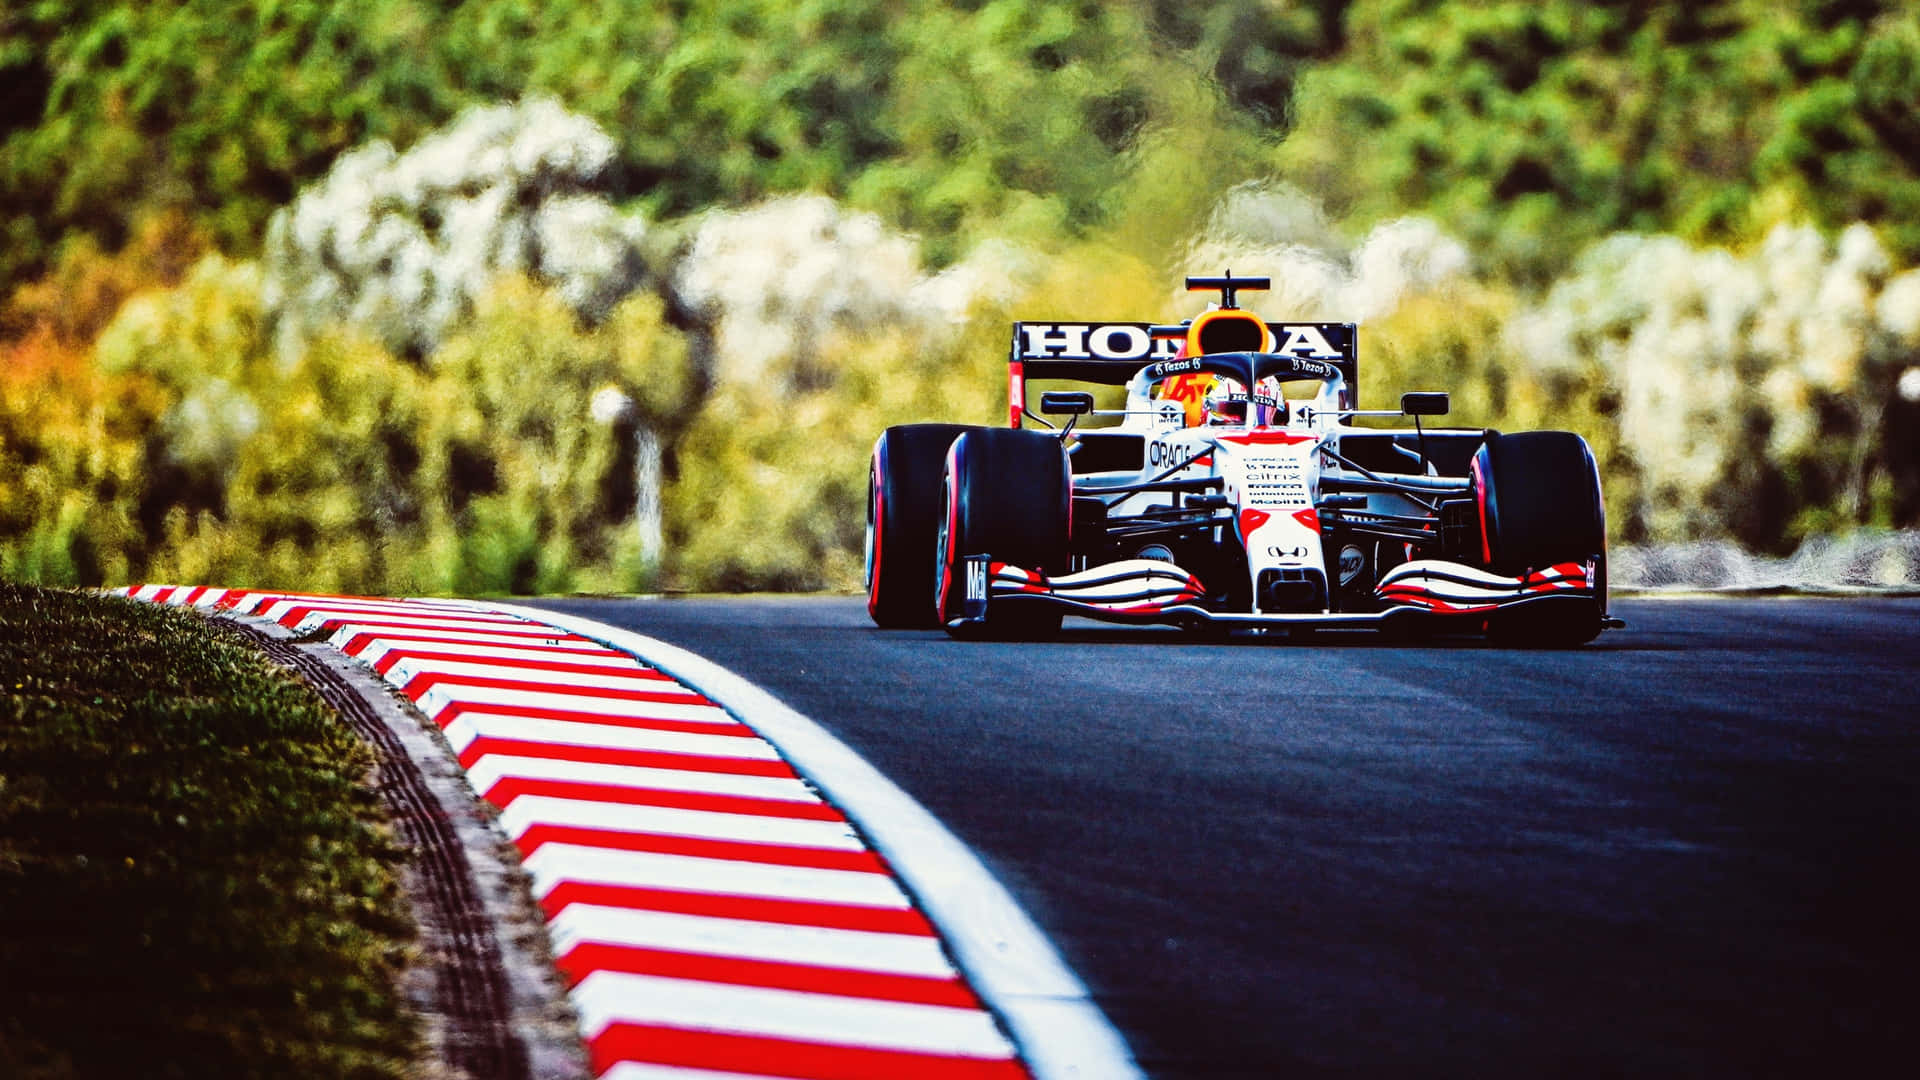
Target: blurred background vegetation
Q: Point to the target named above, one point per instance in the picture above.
(402, 296)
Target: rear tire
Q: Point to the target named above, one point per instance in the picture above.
(1008, 497)
(1540, 504)
(904, 506)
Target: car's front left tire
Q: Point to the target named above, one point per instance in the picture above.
(1008, 496)
(1540, 506)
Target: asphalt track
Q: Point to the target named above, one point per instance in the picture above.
(1685, 850)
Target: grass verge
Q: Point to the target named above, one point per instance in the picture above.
(194, 877)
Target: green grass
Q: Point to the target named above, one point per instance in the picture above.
(194, 877)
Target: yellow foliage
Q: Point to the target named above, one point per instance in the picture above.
(187, 451)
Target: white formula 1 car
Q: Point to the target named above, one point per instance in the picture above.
(1234, 492)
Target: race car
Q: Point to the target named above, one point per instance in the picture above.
(1231, 490)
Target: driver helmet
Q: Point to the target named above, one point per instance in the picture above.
(1268, 404)
(1225, 403)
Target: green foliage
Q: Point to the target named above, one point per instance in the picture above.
(540, 489)
(193, 878)
(1530, 129)
(772, 487)
(203, 457)
(941, 116)
(1255, 52)
(217, 107)
(1534, 129)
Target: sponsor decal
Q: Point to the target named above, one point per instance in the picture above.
(1307, 343)
(976, 579)
(1277, 482)
(1306, 340)
(1164, 455)
(1352, 561)
(1091, 341)
(1277, 552)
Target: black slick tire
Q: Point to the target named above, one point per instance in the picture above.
(904, 505)
(1540, 505)
(1009, 497)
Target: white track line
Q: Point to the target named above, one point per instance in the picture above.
(488, 772)
(554, 865)
(536, 673)
(607, 997)
(379, 649)
(470, 726)
(819, 946)
(442, 696)
(1015, 969)
(552, 640)
(531, 810)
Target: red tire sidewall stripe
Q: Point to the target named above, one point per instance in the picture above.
(878, 496)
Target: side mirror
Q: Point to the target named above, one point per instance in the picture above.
(1067, 403)
(1424, 404)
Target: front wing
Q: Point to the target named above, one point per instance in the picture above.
(1144, 591)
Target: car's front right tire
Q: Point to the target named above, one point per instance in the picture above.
(904, 505)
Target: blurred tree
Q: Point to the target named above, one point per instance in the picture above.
(214, 107)
(941, 116)
(1537, 128)
(1254, 50)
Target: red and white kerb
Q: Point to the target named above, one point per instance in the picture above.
(714, 917)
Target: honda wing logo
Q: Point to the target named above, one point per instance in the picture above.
(1305, 340)
(1091, 341)
(1135, 341)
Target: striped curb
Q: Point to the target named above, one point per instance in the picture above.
(714, 917)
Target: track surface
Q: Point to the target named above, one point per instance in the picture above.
(1684, 850)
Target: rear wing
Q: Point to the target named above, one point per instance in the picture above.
(1111, 353)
